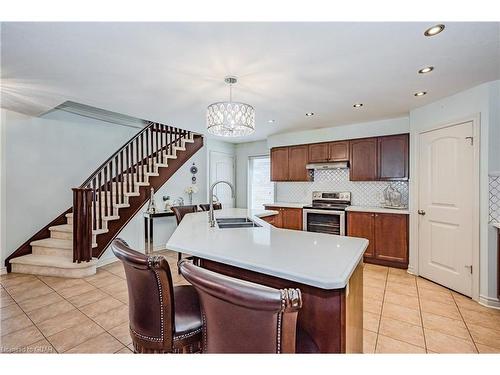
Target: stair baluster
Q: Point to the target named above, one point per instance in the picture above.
(82, 219)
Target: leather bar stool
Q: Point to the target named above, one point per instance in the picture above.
(243, 317)
(206, 207)
(180, 212)
(163, 318)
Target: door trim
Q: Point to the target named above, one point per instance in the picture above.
(415, 193)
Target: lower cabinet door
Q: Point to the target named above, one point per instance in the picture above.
(391, 238)
(292, 218)
(275, 220)
(361, 224)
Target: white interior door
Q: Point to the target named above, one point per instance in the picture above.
(222, 168)
(446, 206)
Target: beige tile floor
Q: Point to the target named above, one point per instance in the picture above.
(402, 314)
(408, 314)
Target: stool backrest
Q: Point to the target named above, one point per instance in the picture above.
(206, 206)
(151, 303)
(243, 317)
(181, 211)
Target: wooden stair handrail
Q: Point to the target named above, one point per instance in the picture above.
(157, 146)
(117, 176)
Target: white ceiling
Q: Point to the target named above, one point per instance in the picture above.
(170, 72)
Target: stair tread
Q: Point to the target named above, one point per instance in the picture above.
(68, 228)
(51, 261)
(56, 243)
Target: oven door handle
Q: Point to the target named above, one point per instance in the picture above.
(326, 212)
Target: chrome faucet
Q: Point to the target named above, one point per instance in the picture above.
(211, 219)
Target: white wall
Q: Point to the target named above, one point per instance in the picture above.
(243, 152)
(483, 101)
(42, 160)
(352, 131)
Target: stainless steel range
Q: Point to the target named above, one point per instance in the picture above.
(326, 214)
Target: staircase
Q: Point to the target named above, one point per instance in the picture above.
(71, 244)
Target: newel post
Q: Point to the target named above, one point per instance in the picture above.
(82, 224)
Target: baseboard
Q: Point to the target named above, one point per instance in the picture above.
(105, 262)
(3, 271)
(493, 303)
(412, 270)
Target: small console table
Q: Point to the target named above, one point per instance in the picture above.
(148, 228)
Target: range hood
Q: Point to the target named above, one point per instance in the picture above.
(333, 165)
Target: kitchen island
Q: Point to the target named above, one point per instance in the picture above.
(326, 268)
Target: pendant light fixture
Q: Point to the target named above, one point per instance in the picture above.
(230, 119)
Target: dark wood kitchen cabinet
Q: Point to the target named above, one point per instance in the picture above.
(379, 158)
(363, 159)
(393, 157)
(287, 218)
(292, 218)
(387, 233)
(361, 224)
(297, 161)
(289, 163)
(338, 151)
(329, 152)
(318, 153)
(370, 159)
(279, 164)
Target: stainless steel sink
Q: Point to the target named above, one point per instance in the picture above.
(236, 222)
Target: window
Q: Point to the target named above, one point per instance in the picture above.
(261, 189)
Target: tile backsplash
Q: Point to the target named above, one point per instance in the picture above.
(494, 199)
(368, 193)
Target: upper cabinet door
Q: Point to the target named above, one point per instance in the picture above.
(318, 153)
(279, 164)
(338, 151)
(393, 157)
(297, 160)
(363, 159)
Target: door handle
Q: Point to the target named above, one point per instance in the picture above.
(421, 212)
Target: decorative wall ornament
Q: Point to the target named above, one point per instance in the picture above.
(193, 170)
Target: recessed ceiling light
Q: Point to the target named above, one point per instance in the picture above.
(427, 69)
(308, 114)
(357, 105)
(420, 93)
(434, 30)
(271, 121)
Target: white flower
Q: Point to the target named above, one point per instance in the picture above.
(191, 189)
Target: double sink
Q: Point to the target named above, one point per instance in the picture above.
(236, 222)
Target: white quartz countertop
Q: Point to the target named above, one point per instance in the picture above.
(287, 204)
(381, 210)
(321, 260)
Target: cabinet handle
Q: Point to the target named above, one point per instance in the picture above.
(421, 212)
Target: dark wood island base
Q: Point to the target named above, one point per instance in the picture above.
(333, 318)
